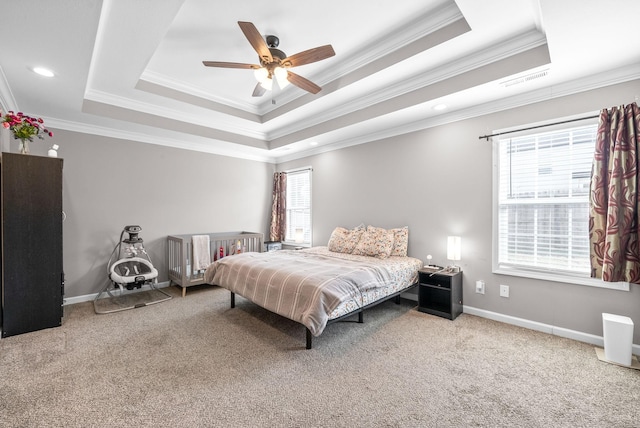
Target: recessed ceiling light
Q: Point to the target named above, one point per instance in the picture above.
(43, 71)
(439, 106)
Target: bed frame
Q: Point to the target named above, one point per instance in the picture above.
(359, 311)
(179, 254)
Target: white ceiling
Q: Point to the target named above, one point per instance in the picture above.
(133, 69)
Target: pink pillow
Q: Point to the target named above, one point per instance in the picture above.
(400, 241)
(375, 242)
(344, 240)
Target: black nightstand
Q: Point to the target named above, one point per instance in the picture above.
(440, 293)
(272, 245)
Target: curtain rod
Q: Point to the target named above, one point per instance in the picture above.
(305, 168)
(538, 126)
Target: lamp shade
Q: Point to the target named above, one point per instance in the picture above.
(267, 84)
(261, 74)
(299, 237)
(281, 76)
(453, 247)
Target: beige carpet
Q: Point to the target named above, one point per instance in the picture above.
(194, 362)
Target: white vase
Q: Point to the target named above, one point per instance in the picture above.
(24, 147)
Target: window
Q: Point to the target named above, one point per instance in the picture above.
(542, 209)
(299, 206)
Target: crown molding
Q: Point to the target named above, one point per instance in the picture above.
(588, 83)
(622, 75)
(599, 80)
(421, 26)
(7, 101)
(447, 14)
(181, 86)
(503, 50)
(380, 47)
(204, 145)
(118, 101)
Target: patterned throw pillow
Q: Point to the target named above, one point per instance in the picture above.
(375, 242)
(400, 241)
(344, 240)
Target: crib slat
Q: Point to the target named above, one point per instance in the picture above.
(180, 258)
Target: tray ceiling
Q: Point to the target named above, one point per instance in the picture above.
(134, 70)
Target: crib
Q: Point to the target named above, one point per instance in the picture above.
(179, 254)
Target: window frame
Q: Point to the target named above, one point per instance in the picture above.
(555, 276)
(288, 239)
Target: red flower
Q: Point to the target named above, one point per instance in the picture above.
(24, 127)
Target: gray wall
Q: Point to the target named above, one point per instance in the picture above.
(109, 183)
(439, 182)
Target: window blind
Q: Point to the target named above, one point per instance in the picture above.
(543, 200)
(299, 204)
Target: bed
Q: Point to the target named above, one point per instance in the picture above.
(314, 286)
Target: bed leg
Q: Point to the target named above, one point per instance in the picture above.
(309, 338)
(360, 317)
(233, 300)
(397, 299)
(184, 291)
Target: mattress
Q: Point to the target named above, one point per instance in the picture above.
(312, 286)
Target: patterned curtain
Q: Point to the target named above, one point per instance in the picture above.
(277, 231)
(613, 208)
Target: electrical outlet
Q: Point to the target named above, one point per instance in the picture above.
(504, 290)
(480, 287)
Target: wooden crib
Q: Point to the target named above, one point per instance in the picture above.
(180, 254)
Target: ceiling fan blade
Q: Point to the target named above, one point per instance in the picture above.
(303, 83)
(229, 64)
(253, 35)
(309, 56)
(258, 91)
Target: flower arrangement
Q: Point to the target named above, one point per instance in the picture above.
(24, 128)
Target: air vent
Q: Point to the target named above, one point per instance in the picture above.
(524, 79)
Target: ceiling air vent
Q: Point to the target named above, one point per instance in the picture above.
(524, 79)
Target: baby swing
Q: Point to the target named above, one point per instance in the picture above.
(129, 267)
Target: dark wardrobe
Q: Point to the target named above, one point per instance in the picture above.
(31, 236)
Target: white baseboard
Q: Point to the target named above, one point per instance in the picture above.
(507, 319)
(91, 297)
(545, 328)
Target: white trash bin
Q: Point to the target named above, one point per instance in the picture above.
(618, 338)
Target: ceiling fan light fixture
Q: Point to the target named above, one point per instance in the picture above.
(267, 84)
(271, 58)
(281, 76)
(261, 74)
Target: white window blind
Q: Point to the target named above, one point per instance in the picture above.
(299, 205)
(543, 201)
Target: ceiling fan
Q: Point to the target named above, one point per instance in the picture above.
(275, 63)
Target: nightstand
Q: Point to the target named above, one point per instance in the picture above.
(272, 245)
(440, 293)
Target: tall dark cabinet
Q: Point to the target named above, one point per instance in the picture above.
(31, 237)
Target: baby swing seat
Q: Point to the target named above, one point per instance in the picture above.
(132, 269)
